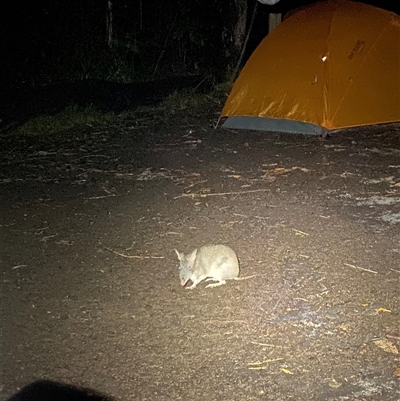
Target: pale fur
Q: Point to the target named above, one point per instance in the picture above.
(211, 263)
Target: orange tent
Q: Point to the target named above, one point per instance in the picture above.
(331, 65)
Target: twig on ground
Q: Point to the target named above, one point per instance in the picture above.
(361, 268)
(245, 277)
(276, 305)
(298, 232)
(101, 197)
(18, 266)
(131, 256)
(260, 365)
(393, 337)
(220, 193)
(266, 345)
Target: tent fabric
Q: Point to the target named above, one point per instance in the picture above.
(332, 65)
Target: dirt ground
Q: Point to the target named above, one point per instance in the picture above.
(90, 293)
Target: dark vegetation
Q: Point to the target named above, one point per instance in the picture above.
(103, 54)
(110, 56)
(52, 41)
(49, 41)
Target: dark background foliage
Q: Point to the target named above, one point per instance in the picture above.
(48, 40)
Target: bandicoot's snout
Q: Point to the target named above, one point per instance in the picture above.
(183, 282)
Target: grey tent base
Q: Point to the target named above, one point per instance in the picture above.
(272, 125)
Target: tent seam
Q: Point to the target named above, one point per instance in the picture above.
(359, 68)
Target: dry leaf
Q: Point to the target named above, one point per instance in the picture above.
(387, 346)
(396, 372)
(280, 170)
(382, 310)
(334, 384)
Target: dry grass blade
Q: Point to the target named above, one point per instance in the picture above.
(132, 256)
(221, 193)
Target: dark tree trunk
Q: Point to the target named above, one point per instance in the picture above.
(234, 32)
(110, 23)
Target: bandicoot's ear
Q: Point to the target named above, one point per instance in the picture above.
(178, 254)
